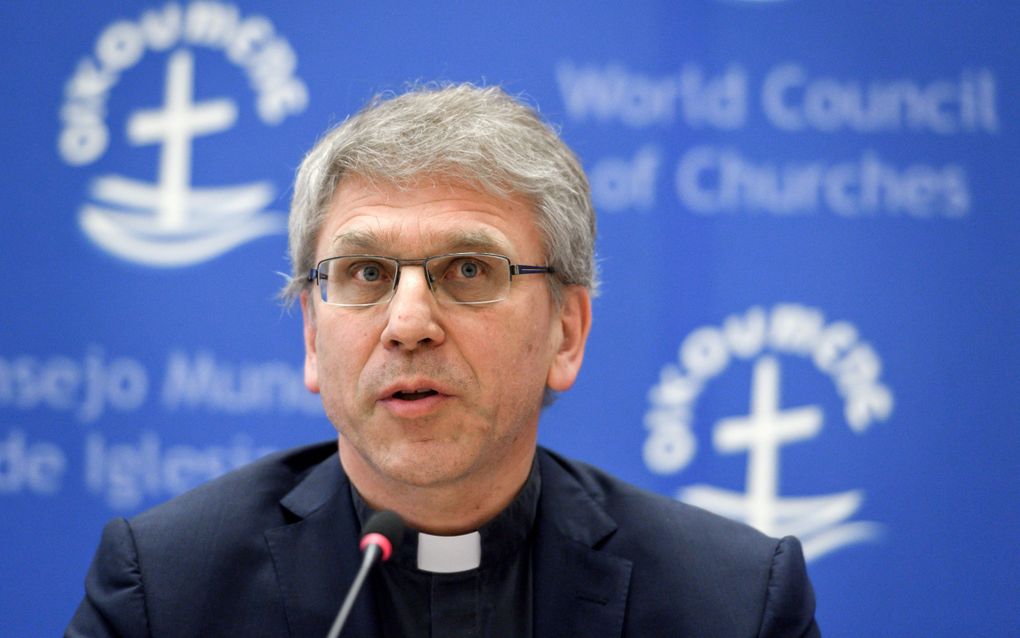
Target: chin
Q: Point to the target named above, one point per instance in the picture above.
(415, 475)
(428, 464)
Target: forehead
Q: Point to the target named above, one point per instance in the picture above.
(426, 218)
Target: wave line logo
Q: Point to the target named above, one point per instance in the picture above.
(821, 522)
(170, 223)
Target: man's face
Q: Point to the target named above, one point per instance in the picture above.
(429, 393)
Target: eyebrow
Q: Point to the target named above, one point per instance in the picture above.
(457, 241)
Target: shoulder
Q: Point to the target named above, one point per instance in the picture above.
(223, 521)
(248, 496)
(202, 557)
(691, 568)
(654, 518)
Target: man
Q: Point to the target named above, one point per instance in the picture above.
(443, 256)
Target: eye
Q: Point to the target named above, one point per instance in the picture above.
(466, 268)
(367, 271)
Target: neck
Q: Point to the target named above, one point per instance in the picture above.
(452, 507)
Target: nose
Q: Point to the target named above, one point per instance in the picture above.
(411, 321)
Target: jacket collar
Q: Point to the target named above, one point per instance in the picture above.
(580, 590)
(316, 556)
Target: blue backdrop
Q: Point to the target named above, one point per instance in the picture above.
(808, 235)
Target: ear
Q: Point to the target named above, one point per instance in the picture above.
(574, 326)
(311, 357)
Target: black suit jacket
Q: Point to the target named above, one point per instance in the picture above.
(270, 549)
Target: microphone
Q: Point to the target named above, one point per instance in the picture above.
(380, 537)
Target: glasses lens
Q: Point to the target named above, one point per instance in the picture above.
(470, 277)
(357, 281)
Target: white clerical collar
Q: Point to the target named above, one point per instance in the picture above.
(448, 554)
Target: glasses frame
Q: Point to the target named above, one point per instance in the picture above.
(317, 274)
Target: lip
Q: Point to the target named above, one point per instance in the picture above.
(419, 407)
(413, 385)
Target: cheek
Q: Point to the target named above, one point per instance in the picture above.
(342, 354)
(518, 353)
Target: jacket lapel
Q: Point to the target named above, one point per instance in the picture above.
(579, 590)
(316, 557)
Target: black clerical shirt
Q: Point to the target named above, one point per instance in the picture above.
(495, 599)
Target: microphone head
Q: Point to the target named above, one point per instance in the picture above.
(385, 529)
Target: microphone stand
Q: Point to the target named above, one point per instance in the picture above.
(372, 553)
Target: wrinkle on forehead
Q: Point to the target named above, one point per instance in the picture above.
(439, 241)
(436, 218)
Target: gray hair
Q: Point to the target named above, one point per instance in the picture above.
(481, 137)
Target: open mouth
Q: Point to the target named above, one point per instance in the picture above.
(414, 396)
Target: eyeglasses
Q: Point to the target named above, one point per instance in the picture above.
(460, 278)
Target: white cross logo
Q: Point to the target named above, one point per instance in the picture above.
(175, 125)
(170, 223)
(819, 521)
(762, 433)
